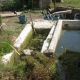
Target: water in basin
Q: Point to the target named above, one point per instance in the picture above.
(69, 39)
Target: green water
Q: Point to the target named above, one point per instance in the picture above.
(69, 39)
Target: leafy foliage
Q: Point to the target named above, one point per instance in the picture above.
(1, 6)
(34, 67)
(71, 63)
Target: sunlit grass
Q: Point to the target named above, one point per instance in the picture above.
(72, 3)
(68, 3)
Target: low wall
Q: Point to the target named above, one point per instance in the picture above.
(48, 40)
(49, 47)
(56, 37)
(42, 25)
(71, 24)
(24, 37)
(19, 44)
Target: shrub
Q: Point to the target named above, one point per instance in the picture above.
(10, 4)
(1, 6)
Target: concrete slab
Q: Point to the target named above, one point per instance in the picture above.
(71, 24)
(43, 24)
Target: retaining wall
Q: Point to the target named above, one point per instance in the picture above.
(71, 24)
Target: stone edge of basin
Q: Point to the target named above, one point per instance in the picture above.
(53, 43)
(47, 40)
(18, 44)
(23, 35)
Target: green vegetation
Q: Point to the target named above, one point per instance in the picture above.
(1, 6)
(71, 63)
(12, 5)
(69, 3)
(9, 31)
(37, 66)
(5, 41)
(31, 4)
(35, 11)
(5, 47)
(7, 38)
(36, 42)
(34, 67)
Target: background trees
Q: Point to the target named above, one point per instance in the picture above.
(16, 4)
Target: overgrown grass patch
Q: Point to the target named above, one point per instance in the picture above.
(32, 11)
(71, 63)
(34, 67)
(5, 42)
(5, 47)
(7, 38)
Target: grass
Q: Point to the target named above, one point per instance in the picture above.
(5, 47)
(8, 33)
(32, 11)
(34, 67)
(5, 41)
(38, 66)
(67, 3)
(71, 63)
